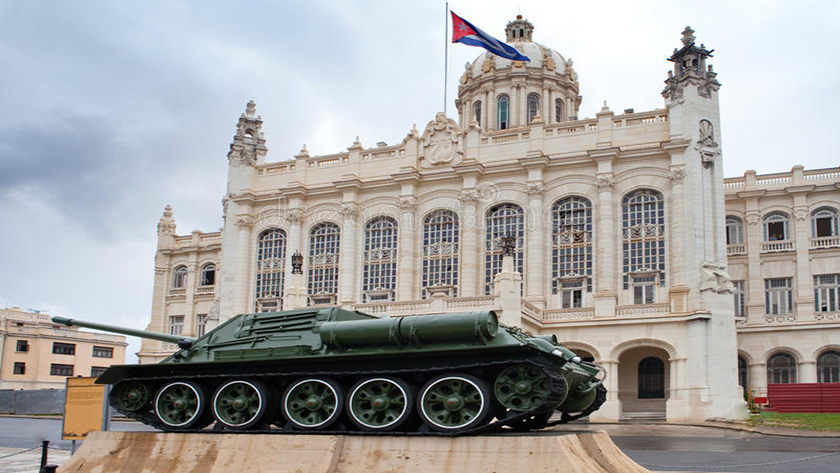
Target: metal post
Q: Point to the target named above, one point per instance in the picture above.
(73, 447)
(44, 446)
(445, 55)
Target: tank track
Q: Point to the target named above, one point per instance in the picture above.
(557, 393)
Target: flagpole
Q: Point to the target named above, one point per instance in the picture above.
(445, 55)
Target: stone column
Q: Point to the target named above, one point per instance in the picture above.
(678, 293)
(406, 284)
(755, 292)
(535, 265)
(471, 255)
(605, 257)
(348, 274)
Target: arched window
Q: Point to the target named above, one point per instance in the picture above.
(571, 250)
(776, 227)
(651, 378)
(824, 223)
(271, 263)
(502, 220)
(743, 373)
(828, 367)
(440, 253)
(477, 112)
(323, 264)
(781, 368)
(558, 110)
(380, 269)
(734, 231)
(179, 277)
(533, 106)
(208, 275)
(503, 112)
(827, 293)
(643, 230)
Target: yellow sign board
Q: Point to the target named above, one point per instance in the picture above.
(84, 408)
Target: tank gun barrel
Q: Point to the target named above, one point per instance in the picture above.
(163, 337)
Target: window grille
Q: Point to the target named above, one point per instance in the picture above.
(740, 298)
(380, 267)
(22, 346)
(828, 367)
(440, 252)
(643, 227)
(19, 368)
(103, 352)
(502, 220)
(61, 370)
(651, 378)
(271, 265)
(323, 264)
(781, 368)
(571, 242)
(558, 110)
(827, 293)
(64, 348)
(778, 296)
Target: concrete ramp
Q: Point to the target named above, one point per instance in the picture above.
(149, 452)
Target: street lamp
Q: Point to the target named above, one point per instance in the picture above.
(297, 263)
(508, 245)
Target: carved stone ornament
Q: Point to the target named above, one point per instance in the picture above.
(800, 214)
(706, 145)
(213, 313)
(294, 216)
(245, 221)
(604, 183)
(350, 210)
(408, 204)
(677, 175)
(753, 218)
(715, 278)
(468, 197)
(441, 143)
(535, 189)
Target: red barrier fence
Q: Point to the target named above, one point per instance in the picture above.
(804, 397)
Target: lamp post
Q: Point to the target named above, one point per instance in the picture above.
(297, 263)
(508, 245)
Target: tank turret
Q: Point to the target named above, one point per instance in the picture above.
(333, 370)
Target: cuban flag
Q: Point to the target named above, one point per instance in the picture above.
(464, 32)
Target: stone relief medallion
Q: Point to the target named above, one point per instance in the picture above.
(441, 143)
(706, 144)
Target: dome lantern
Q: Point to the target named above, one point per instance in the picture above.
(519, 30)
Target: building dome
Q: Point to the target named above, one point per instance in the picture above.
(546, 86)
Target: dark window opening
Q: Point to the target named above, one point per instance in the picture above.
(651, 378)
(776, 231)
(20, 368)
(64, 348)
(61, 370)
(22, 345)
(97, 371)
(103, 352)
(742, 372)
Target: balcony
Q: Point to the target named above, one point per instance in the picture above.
(776, 246)
(825, 242)
(736, 249)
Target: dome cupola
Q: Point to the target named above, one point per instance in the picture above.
(498, 93)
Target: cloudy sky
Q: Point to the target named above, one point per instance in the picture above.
(111, 110)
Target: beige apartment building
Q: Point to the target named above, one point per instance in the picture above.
(38, 354)
(631, 246)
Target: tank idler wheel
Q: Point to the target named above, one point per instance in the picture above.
(454, 403)
(182, 405)
(313, 403)
(521, 388)
(131, 396)
(380, 404)
(241, 404)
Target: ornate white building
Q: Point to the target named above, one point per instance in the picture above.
(626, 235)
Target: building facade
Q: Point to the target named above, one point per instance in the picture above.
(620, 222)
(38, 354)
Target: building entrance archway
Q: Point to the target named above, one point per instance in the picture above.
(643, 382)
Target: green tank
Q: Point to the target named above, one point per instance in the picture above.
(333, 370)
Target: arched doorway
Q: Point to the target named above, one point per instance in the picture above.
(643, 381)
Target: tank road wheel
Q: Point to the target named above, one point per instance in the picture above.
(312, 404)
(182, 405)
(521, 388)
(454, 403)
(380, 404)
(241, 404)
(130, 396)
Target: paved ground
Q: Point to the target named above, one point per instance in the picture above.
(658, 447)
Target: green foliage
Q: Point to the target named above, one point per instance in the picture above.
(804, 421)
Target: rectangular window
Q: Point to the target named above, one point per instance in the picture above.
(64, 348)
(176, 324)
(644, 289)
(22, 346)
(103, 352)
(571, 294)
(96, 371)
(778, 296)
(200, 325)
(20, 368)
(61, 370)
(827, 293)
(740, 299)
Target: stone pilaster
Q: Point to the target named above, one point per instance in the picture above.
(407, 250)
(605, 257)
(470, 245)
(348, 274)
